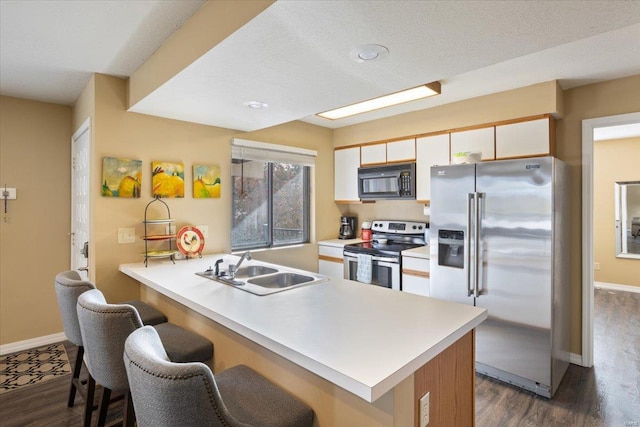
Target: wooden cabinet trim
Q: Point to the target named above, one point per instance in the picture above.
(330, 259)
(417, 273)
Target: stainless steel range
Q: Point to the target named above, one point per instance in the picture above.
(379, 261)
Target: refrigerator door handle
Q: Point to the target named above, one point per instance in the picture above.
(467, 243)
(476, 249)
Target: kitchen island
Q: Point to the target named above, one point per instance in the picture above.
(359, 355)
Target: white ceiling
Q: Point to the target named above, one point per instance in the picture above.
(295, 55)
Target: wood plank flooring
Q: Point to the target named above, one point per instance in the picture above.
(607, 395)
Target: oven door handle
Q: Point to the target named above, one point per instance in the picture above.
(373, 258)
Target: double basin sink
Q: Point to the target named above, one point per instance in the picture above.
(262, 279)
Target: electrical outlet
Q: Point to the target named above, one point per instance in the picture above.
(204, 229)
(596, 266)
(126, 235)
(424, 410)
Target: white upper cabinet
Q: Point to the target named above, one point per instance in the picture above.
(373, 154)
(346, 163)
(430, 151)
(481, 140)
(401, 151)
(524, 139)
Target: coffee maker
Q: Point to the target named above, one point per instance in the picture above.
(347, 227)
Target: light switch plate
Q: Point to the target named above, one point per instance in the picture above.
(126, 235)
(11, 193)
(204, 229)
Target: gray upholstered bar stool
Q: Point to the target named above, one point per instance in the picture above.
(105, 327)
(172, 394)
(69, 285)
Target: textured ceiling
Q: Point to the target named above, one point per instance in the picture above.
(295, 55)
(49, 49)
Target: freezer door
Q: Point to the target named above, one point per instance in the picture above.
(449, 232)
(516, 269)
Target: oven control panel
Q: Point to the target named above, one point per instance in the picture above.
(398, 227)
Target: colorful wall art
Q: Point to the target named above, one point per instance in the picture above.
(206, 182)
(121, 177)
(167, 179)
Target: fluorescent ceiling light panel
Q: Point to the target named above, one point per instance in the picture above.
(412, 94)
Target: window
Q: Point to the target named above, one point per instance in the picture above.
(271, 196)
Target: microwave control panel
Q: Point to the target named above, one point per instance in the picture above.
(405, 184)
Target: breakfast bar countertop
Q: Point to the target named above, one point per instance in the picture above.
(363, 338)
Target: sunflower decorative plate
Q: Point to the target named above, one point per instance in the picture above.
(190, 241)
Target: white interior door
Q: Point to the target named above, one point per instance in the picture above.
(80, 167)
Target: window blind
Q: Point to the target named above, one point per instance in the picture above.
(245, 149)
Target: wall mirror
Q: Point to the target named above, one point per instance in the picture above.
(627, 199)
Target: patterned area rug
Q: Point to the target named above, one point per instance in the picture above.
(33, 366)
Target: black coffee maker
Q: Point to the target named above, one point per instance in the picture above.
(347, 227)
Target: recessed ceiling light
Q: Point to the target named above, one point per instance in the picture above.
(256, 105)
(396, 98)
(368, 52)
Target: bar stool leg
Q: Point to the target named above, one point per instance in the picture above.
(104, 406)
(88, 404)
(75, 379)
(129, 413)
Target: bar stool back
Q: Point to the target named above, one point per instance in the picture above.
(105, 327)
(69, 285)
(172, 394)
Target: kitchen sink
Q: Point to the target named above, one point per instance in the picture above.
(281, 280)
(260, 279)
(254, 270)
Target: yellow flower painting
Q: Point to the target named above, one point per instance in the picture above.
(206, 182)
(167, 179)
(121, 177)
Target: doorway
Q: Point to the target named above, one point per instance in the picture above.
(80, 177)
(588, 127)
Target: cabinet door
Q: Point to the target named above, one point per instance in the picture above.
(481, 140)
(401, 151)
(330, 262)
(430, 151)
(524, 139)
(415, 276)
(373, 154)
(346, 163)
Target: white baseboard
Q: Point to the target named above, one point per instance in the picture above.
(575, 359)
(616, 287)
(31, 343)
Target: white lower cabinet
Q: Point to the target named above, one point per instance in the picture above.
(330, 261)
(415, 275)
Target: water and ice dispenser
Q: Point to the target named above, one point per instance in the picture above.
(451, 248)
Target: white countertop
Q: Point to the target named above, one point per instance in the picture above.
(363, 338)
(339, 243)
(419, 252)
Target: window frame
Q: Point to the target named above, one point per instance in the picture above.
(306, 211)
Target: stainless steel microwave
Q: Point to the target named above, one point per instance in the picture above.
(387, 182)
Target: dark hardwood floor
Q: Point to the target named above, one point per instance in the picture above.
(607, 395)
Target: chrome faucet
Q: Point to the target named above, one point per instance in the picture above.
(234, 268)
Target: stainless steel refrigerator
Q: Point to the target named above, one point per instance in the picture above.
(499, 240)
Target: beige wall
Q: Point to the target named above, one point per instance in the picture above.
(123, 134)
(34, 242)
(117, 132)
(609, 98)
(614, 160)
